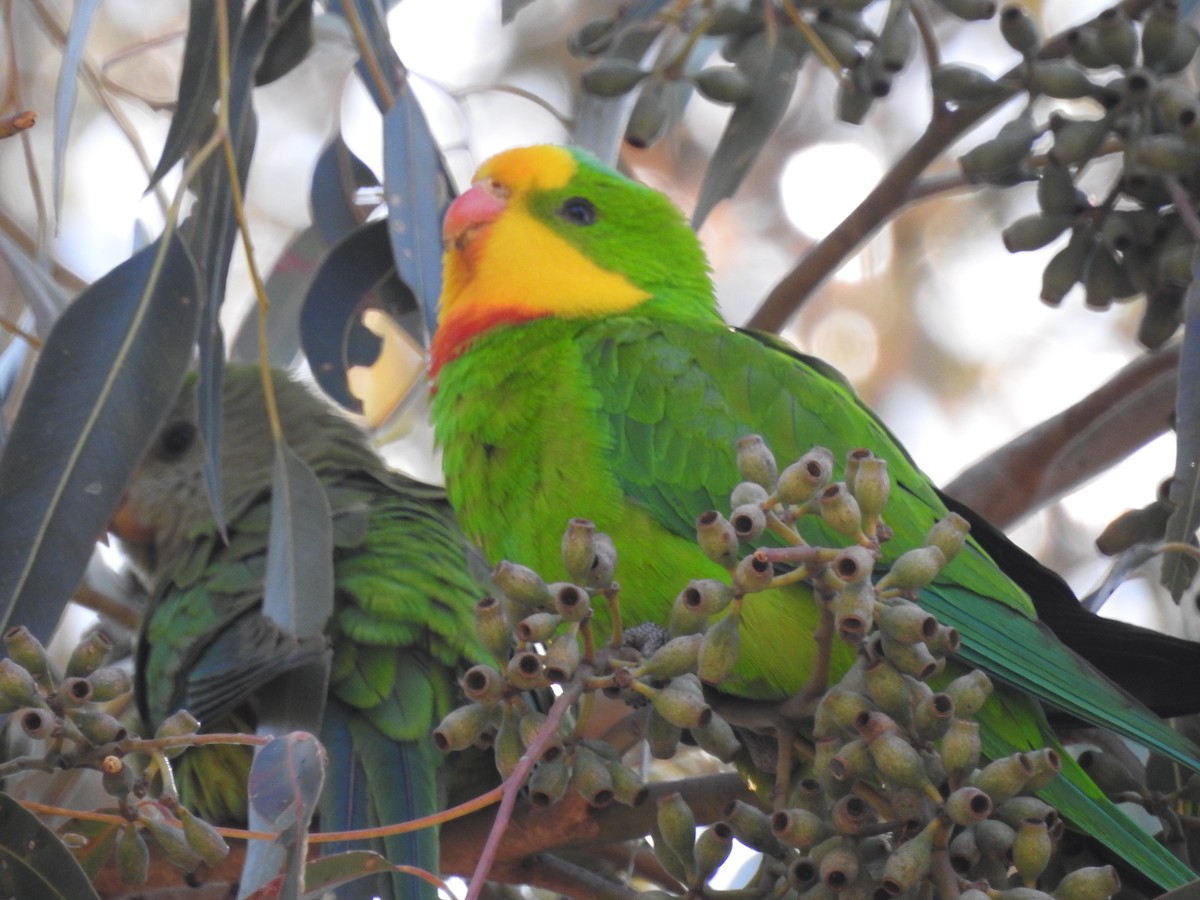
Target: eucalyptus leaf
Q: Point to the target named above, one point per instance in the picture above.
(752, 123)
(68, 87)
(35, 861)
(1179, 569)
(417, 187)
(107, 373)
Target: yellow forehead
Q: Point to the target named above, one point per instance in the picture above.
(543, 167)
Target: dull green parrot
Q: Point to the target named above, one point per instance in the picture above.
(581, 368)
(401, 629)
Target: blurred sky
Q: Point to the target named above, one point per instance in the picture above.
(936, 324)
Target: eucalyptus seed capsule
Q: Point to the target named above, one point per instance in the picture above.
(1019, 29)
(611, 77)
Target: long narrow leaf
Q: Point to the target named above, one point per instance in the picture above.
(35, 861)
(68, 86)
(107, 373)
(418, 191)
(1178, 569)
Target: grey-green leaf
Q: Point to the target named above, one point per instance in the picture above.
(35, 861)
(108, 371)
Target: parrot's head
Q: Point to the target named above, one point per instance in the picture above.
(552, 231)
(166, 502)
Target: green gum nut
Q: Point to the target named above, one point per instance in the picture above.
(509, 746)
(837, 712)
(933, 715)
(853, 564)
(538, 627)
(628, 787)
(1090, 883)
(899, 763)
(752, 574)
(1035, 231)
(1062, 79)
(909, 863)
(1083, 43)
(579, 549)
(871, 487)
(717, 738)
(839, 867)
(1046, 766)
(1003, 778)
(651, 114)
(719, 650)
(1117, 36)
(969, 10)
(1019, 30)
(521, 584)
(887, 686)
(1076, 141)
(171, 842)
(1100, 275)
(841, 44)
(752, 827)
(682, 708)
(27, 651)
(492, 628)
(571, 602)
(723, 84)
(852, 608)
(717, 538)
(913, 570)
(662, 736)
(852, 761)
(132, 856)
(803, 479)
(109, 683)
(673, 658)
(1056, 192)
(1031, 850)
(968, 805)
(591, 778)
(712, 849)
(89, 654)
(840, 510)
(854, 101)
(960, 748)
(910, 659)
(1110, 775)
(898, 39)
(969, 692)
(611, 77)
(461, 727)
(592, 38)
(604, 564)
(747, 492)
(905, 622)
(1066, 266)
(17, 687)
(98, 727)
(202, 837)
(756, 463)
(964, 853)
(749, 521)
(562, 657)
(964, 85)
(798, 828)
(1016, 810)
(549, 781)
(851, 815)
(525, 671)
(994, 838)
(945, 643)
(677, 826)
(706, 596)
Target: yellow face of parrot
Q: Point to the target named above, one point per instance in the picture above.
(549, 231)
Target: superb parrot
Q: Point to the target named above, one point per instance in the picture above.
(402, 623)
(581, 368)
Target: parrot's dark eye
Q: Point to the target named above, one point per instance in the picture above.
(578, 211)
(176, 439)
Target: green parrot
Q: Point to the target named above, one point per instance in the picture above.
(401, 629)
(581, 368)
